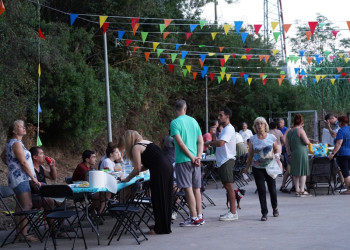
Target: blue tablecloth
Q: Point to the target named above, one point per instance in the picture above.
(121, 186)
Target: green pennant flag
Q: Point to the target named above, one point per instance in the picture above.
(282, 72)
(173, 57)
(219, 79)
(318, 69)
(321, 24)
(182, 62)
(287, 59)
(159, 51)
(202, 23)
(161, 27)
(201, 46)
(38, 142)
(223, 69)
(264, 76)
(144, 36)
(276, 35)
(184, 71)
(326, 53)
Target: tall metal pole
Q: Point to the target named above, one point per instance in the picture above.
(206, 104)
(108, 102)
(215, 11)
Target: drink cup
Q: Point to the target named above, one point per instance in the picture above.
(48, 160)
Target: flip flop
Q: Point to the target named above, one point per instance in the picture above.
(345, 192)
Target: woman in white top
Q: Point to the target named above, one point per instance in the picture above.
(113, 155)
(245, 132)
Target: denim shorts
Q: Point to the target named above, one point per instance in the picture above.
(22, 188)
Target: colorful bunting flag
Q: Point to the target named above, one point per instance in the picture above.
(127, 43)
(134, 21)
(173, 56)
(308, 35)
(41, 35)
(2, 7)
(162, 60)
(348, 23)
(332, 81)
(159, 51)
(222, 62)
(335, 32)
(234, 79)
(222, 74)
(155, 45)
(238, 25)
(274, 25)
(249, 57)
(312, 26)
(189, 67)
(257, 27)
(203, 56)
(228, 76)
(165, 34)
(226, 57)
(227, 27)
(275, 51)
(105, 27)
(302, 52)
(213, 35)
(244, 36)
(317, 78)
(211, 54)
(201, 62)
(250, 80)
(194, 74)
(264, 81)
(171, 67)
(39, 70)
(184, 54)
(340, 55)
(309, 60)
(233, 56)
(296, 70)
(184, 71)
(221, 49)
(246, 77)
(202, 23)
(339, 69)
(39, 108)
(38, 142)
(177, 46)
(188, 35)
(147, 55)
(211, 76)
(161, 28)
(193, 27)
(219, 79)
(286, 27)
(120, 34)
(144, 36)
(102, 20)
(276, 35)
(135, 48)
(223, 69)
(279, 81)
(167, 22)
(72, 17)
(181, 62)
(135, 28)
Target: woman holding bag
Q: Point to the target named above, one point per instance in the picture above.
(262, 149)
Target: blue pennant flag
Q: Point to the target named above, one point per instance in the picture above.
(336, 77)
(238, 25)
(234, 79)
(39, 108)
(302, 52)
(120, 34)
(203, 56)
(193, 27)
(296, 70)
(203, 72)
(177, 46)
(315, 81)
(244, 36)
(245, 77)
(319, 59)
(302, 72)
(316, 55)
(72, 18)
(184, 54)
(162, 60)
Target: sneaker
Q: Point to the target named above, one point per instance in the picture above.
(173, 215)
(190, 223)
(229, 216)
(201, 221)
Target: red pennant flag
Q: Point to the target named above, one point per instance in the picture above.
(241, 74)
(2, 7)
(308, 35)
(171, 67)
(312, 26)
(300, 77)
(134, 21)
(234, 55)
(343, 74)
(222, 62)
(188, 35)
(211, 76)
(248, 57)
(221, 48)
(264, 81)
(167, 22)
(339, 69)
(335, 32)
(247, 49)
(147, 55)
(257, 27)
(349, 80)
(105, 27)
(41, 35)
(165, 34)
(194, 75)
(127, 43)
(331, 57)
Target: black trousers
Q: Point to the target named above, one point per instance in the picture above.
(260, 176)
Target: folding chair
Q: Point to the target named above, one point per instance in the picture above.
(321, 173)
(7, 193)
(61, 191)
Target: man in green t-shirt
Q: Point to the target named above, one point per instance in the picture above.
(188, 151)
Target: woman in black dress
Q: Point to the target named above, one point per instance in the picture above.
(147, 155)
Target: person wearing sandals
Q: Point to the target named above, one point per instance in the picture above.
(296, 146)
(342, 149)
(21, 171)
(262, 150)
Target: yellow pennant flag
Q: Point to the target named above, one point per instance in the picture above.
(323, 76)
(155, 45)
(222, 74)
(189, 67)
(39, 70)
(102, 20)
(213, 35)
(346, 59)
(227, 27)
(332, 81)
(275, 51)
(250, 80)
(226, 57)
(244, 57)
(317, 78)
(228, 76)
(340, 55)
(274, 25)
(211, 54)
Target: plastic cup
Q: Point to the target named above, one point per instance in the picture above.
(48, 160)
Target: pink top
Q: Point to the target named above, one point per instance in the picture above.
(206, 137)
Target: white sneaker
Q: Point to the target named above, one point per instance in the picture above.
(228, 216)
(173, 215)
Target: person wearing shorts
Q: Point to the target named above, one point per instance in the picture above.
(225, 160)
(188, 151)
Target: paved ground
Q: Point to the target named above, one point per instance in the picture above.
(319, 222)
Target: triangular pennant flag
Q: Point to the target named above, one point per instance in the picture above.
(211, 54)
(227, 27)
(221, 49)
(309, 60)
(188, 35)
(120, 35)
(302, 52)
(279, 81)
(155, 45)
(223, 69)
(241, 74)
(193, 27)
(102, 20)
(274, 25)
(326, 53)
(318, 68)
(245, 77)
(147, 55)
(264, 77)
(39, 108)
(203, 73)
(336, 77)
(159, 51)
(238, 25)
(349, 80)
(135, 48)
(144, 36)
(339, 69)
(222, 74)
(41, 35)
(308, 35)
(312, 26)
(203, 56)
(222, 62)
(135, 28)
(211, 76)
(234, 79)
(201, 62)
(2, 7)
(167, 22)
(346, 59)
(213, 35)
(335, 32)
(300, 77)
(250, 80)
(233, 56)
(181, 62)
(248, 57)
(275, 51)
(134, 21)
(247, 50)
(296, 70)
(165, 34)
(264, 81)
(189, 67)
(276, 35)
(226, 57)
(105, 27)
(348, 23)
(332, 81)
(38, 142)
(261, 75)
(184, 71)
(194, 74)
(266, 58)
(173, 56)
(323, 76)
(177, 46)
(244, 57)
(219, 79)
(127, 43)
(340, 55)
(319, 59)
(184, 54)
(331, 57)
(228, 76)
(302, 72)
(202, 23)
(72, 17)
(244, 36)
(321, 25)
(317, 78)
(286, 27)
(39, 70)
(171, 67)
(161, 28)
(162, 60)
(201, 46)
(257, 27)
(315, 81)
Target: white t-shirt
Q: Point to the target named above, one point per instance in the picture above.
(107, 163)
(239, 138)
(246, 134)
(228, 151)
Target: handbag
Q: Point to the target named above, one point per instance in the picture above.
(273, 169)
